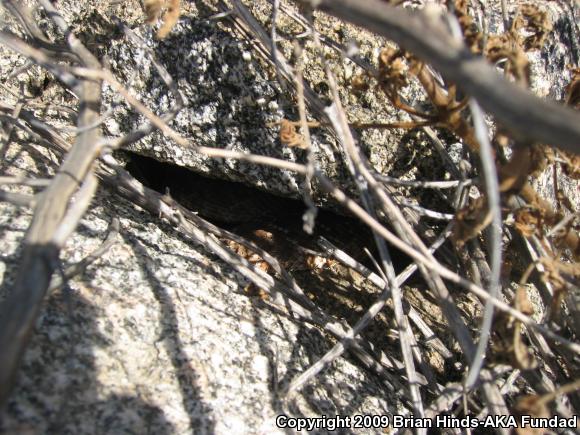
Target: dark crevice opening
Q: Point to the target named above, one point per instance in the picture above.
(243, 209)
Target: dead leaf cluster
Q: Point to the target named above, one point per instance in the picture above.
(166, 10)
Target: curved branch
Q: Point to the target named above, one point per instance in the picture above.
(525, 115)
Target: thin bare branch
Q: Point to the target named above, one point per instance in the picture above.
(78, 268)
(493, 201)
(406, 339)
(19, 199)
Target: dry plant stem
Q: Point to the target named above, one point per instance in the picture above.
(39, 57)
(40, 249)
(33, 182)
(150, 200)
(78, 268)
(505, 16)
(433, 265)
(426, 212)
(253, 158)
(395, 125)
(524, 114)
(407, 234)
(248, 24)
(147, 128)
(38, 129)
(428, 333)
(51, 136)
(24, 15)
(274, 38)
(483, 24)
(76, 210)
(423, 184)
(492, 194)
(18, 199)
(310, 214)
(406, 338)
(510, 381)
(6, 137)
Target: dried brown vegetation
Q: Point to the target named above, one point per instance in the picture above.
(168, 10)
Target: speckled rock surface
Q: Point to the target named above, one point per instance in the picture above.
(228, 99)
(231, 96)
(231, 101)
(158, 336)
